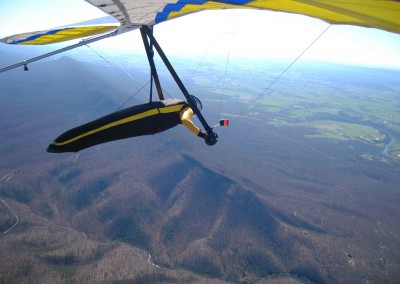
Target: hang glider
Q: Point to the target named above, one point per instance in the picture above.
(144, 14)
(368, 13)
(132, 14)
(57, 35)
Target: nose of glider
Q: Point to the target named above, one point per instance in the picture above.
(53, 149)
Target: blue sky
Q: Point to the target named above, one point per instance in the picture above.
(244, 33)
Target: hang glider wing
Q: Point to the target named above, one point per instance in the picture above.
(56, 35)
(135, 13)
(367, 13)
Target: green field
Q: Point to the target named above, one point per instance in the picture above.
(363, 107)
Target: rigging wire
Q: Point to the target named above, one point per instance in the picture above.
(125, 74)
(121, 69)
(131, 97)
(216, 36)
(137, 92)
(227, 63)
(224, 81)
(279, 76)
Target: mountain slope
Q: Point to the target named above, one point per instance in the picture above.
(264, 204)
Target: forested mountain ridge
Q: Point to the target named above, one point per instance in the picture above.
(264, 203)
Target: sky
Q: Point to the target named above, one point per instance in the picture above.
(247, 34)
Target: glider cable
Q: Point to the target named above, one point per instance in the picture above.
(125, 74)
(121, 69)
(227, 62)
(131, 97)
(137, 92)
(280, 75)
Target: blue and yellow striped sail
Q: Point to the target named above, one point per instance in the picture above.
(56, 35)
(381, 14)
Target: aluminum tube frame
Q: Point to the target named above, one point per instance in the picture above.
(81, 43)
(178, 81)
(150, 56)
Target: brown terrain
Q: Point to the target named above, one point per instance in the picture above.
(265, 205)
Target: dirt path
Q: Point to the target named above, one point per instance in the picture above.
(6, 178)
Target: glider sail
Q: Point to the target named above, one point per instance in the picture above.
(133, 14)
(367, 13)
(143, 14)
(56, 35)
